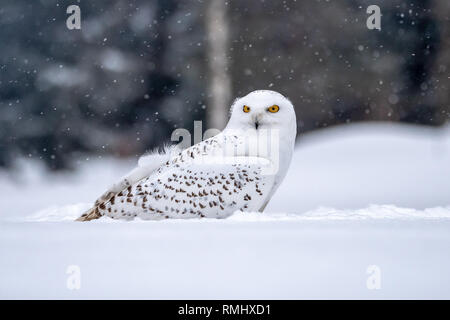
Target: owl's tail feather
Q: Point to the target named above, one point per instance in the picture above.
(146, 165)
(89, 215)
(94, 213)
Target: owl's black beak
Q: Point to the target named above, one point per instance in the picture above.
(256, 124)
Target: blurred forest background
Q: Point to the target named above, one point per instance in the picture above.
(138, 69)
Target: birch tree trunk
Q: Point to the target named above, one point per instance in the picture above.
(219, 86)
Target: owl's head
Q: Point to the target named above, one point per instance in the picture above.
(263, 109)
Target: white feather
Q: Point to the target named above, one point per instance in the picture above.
(156, 158)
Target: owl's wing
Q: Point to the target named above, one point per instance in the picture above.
(213, 187)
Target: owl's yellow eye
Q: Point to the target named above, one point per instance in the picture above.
(246, 109)
(273, 108)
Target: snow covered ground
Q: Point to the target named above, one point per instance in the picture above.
(356, 196)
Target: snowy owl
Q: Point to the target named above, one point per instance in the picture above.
(238, 169)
